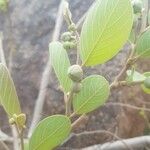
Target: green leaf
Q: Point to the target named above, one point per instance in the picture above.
(143, 44)
(105, 30)
(135, 76)
(60, 63)
(94, 92)
(50, 133)
(8, 96)
(146, 90)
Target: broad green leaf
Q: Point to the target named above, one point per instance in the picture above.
(135, 76)
(60, 63)
(50, 133)
(146, 90)
(94, 93)
(143, 44)
(105, 30)
(8, 96)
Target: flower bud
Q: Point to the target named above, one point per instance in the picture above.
(137, 6)
(75, 73)
(147, 82)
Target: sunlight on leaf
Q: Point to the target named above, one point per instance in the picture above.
(105, 30)
(94, 92)
(60, 63)
(50, 132)
(8, 96)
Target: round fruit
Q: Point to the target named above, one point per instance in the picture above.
(66, 36)
(72, 27)
(147, 82)
(137, 6)
(69, 45)
(75, 73)
(77, 87)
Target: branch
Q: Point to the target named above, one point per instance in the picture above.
(46, 74)
(2, 56)
(127, 105)
(137, 143)
(97, 132)
(144, 16)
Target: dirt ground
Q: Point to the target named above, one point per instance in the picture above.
(32, 24)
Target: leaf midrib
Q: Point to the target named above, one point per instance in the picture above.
(97, 91)
(48, 136)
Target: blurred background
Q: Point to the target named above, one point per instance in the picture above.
(27, 29)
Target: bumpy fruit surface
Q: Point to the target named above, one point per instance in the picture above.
(72, 27)
(137, 6)
(147, 82)
(69, 45)
(66, 36)
(75, 73)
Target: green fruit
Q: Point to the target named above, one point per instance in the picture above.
(72, 27)
(147, 82)
(77, 87)
(66, 36)
(3, 5)
(69, 45)
(137, 6)
(75, 73)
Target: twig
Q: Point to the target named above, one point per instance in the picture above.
(127, 105)
(125, 83)
(21, 140)
(89, 133)
(15, 138)
(4, 145)
(46, 74)
(2, 56)
(127, 65)
(144, 16)
(69, 102)
(136, 143)
(79, 121)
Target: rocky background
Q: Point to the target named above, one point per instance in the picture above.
(27, 29)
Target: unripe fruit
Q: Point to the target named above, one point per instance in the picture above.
(147, 82)
(75, 73)
(69, 45)
(66, 36)
(137, 6)
(72, 27)
(11, 121)
(3, 5)
(77, 87)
